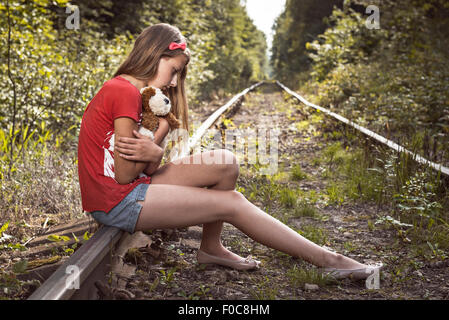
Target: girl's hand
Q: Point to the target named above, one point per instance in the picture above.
(141, 148)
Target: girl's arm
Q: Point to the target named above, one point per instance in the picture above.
(131, 156)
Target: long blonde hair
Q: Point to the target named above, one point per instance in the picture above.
(143, 61)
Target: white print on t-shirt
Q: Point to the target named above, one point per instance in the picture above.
(108, 148)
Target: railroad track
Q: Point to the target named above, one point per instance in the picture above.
(80, 276)
(393, 145)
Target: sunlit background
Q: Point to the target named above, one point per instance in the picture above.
(264, 14)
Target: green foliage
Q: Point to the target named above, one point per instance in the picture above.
(168, 276)
(348, 42)
(40, 177)
(20, 266)
(228, 50)
(50, 73)
(392, 80)
(418, 197)
(376, 173)
(57, 238)
(301, 22)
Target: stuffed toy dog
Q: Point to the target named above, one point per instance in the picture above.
(154, 105)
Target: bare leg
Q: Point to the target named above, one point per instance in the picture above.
(269, 231)
(204, 206)
(197, 205)
(211, 238)
(198, 173)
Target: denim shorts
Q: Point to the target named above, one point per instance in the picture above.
(124, 215)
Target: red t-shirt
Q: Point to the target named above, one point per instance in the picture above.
(99, 189)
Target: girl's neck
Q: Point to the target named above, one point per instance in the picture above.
(139, 84)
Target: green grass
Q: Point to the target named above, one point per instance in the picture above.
(314, 234)
(335, 193)
(288, 197)
(349, 247)
(304, 209)
(299, 276)
(297, 173)
(265, 290)
(350, 175)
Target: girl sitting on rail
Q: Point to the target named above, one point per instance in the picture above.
(112, 156)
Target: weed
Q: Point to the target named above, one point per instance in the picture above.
(316, 161)
(38, 177)
(335, 194)
(371, 226)
(281, 176)
(305, 210)
(153, 285)
(302, 125)
(300, 276)
(265, 290)
(203, 291)
(417, 197)
(11, 286)
(314, 234)
(349, 246)
(297, 173)
(334, 154)
(437, 252)
(191, 296)
(236, 243)
(167, 276)
(288, 197)
(317, 117)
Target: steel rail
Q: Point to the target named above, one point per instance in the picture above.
(62, 284)
(389, 143)
(90, 260)
(206, 124)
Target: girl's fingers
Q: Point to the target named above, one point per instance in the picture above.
(126, 146)
(127, 156)
(124, 156)
(129, 151)
(128, 140)
(138, 135)
(124, 150)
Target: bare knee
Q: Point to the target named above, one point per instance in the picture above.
(230, 166)
(235, 202)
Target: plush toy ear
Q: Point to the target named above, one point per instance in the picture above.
(147, 93)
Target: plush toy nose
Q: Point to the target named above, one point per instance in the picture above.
(166, 101)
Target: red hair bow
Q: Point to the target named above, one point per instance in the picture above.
(174, 46)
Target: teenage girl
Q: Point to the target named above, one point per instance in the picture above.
(123, 186)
